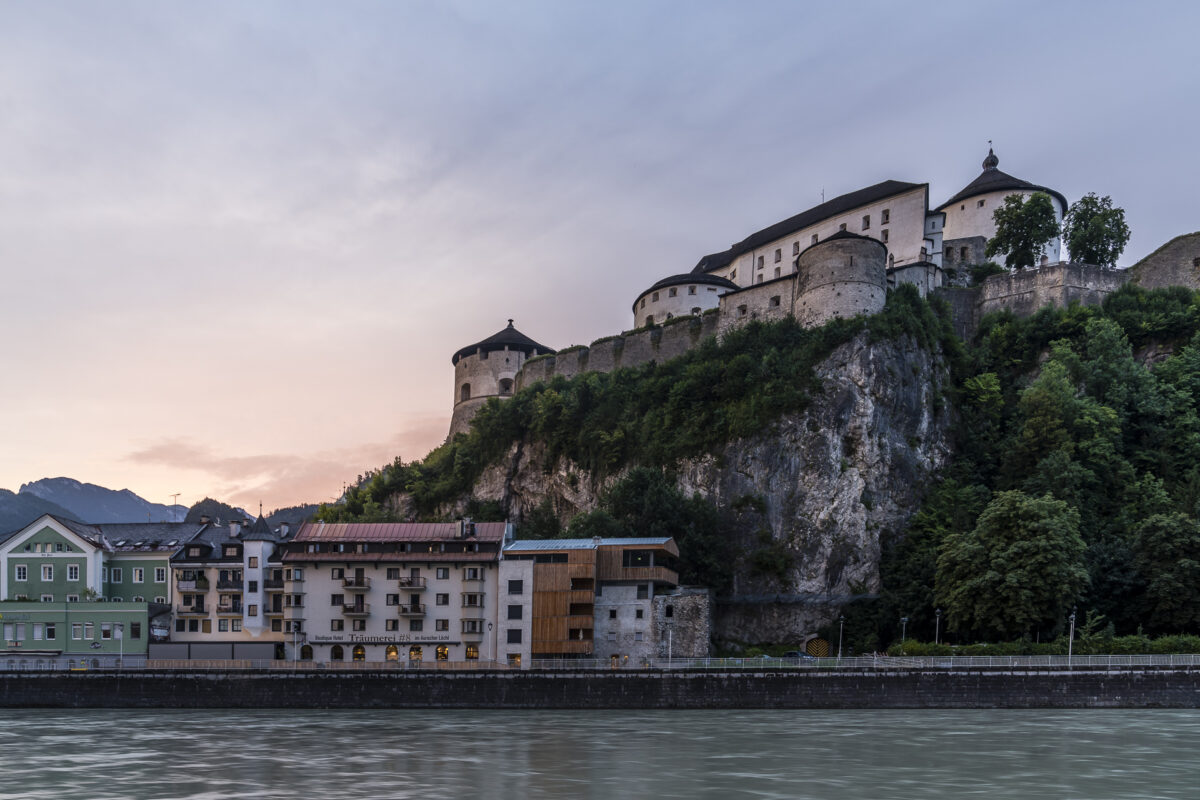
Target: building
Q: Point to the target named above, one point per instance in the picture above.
(597, 598)
(40, 634)
(225, 602)
(411, 592)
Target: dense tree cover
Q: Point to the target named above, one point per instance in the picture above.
(652, 415)
(1095, 231)
(1023, 229)
(1056, 406)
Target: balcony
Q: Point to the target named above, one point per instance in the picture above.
(356, 609)
(472, 612)
(273, 583)
(229, 609)
(193, 585)
(473, 636)
(355, 584)
(191, 611)
(272, 612)
(412, 584)
(411, 610)
(294, 579)
(472, 577)
(227, 585)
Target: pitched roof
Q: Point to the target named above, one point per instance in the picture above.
(505, 339)
(584, 544)
(259, 531)
(830, 208)
(993, 180)
(396, 532)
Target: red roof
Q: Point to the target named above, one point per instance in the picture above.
(396, 532)
(389, 557)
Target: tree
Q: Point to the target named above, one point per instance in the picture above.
(1168, 558)
(1023, 229)
(1017, 571)
(1095, 231)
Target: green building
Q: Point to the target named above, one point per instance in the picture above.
(39, 634)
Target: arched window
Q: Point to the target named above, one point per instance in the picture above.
(336, 653)
(392, 653)
(360, 653)
(443, 652)
(465, 394)
(506, 386)
(414, 654)
(306, 653)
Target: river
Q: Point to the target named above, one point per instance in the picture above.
(345, 755)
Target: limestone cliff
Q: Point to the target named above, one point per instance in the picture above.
(824, 486)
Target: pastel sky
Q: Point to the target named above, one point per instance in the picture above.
(240, 241)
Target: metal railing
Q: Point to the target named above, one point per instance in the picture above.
(19, 662)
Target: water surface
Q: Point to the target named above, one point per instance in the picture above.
(345, 755)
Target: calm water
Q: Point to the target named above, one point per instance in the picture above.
(207, 755)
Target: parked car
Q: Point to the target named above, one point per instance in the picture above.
(800, 655)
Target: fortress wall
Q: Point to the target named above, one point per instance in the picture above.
(1176, 263)
(963, 305)
(840, 278)
(764, 301)
(1026, 291)
(460, 420)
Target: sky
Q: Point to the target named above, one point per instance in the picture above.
(239, 241)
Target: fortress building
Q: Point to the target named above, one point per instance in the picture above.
(837, 259)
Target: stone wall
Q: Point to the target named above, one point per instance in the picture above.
(765, 302)
(659, 343)
(1026, 291)
(1176, 263)
(687, 632)
(840, 278)
(953, 256)
(1146, 687)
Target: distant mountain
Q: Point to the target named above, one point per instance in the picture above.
(88, 502)
(292, 515)
(214, 510)
(18, 510)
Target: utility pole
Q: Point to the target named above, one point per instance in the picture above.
(174, 502)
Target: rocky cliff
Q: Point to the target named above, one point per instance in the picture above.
(819, 490)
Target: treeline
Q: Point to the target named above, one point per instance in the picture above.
(1076, 485)
(652, 415)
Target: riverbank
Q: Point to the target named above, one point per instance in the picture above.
(985, 687)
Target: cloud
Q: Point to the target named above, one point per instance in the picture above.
(283, 479)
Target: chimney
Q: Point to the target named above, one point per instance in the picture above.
(283, 530)
(235, 528)
(205, 519)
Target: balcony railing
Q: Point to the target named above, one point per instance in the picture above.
(273, 583)
(355, 584)
(193, 585)
(472, 577)
(294, 579)
(229, 608)
(357, 609)
(473, 636)
(228, 585)
(272, 612)
(293, 612)
(411, 610)
(191, 611)
(412, 583)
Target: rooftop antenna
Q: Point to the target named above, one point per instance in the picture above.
(174, 502)
(822, 194)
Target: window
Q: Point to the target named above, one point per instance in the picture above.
(77, 630)
(231, 551)
(514, 612)
(337, 599)
(885, 216)
(58, 548)
(514, 635)
(253, 562)
(649, 319)
(639, 614)
(442, 653)
(760, 262)
(472, 600)
(51, 632)
(22, 573)
(643, 591)
(251, 611)
(393, 573)
(777, 273)
(441, 624)
(393, 599)
(654, 297)
(443, 573)
(337, 625)
(105, 630)
(814, 239)
(223, 626)
(358, 624)
(472, 652)
(671, 292)
(980, 204)
(963, 254)
(759, 279)
(237, 625)
(514, 659)
(160, 599)
(391, 624)
(206, 626)
(472, 626)
(135, 630)
(72, 572)
(49, 598)
(691, 290)
(643, 303)
(733, 275)
(414, 625)
(516, 587)
(193, 626)
(118, 574)
(160, 574)
(472, 574)
(72, 598)
(252, 586)
(139, 575)
(89, 630)
(883, 235)
(180, 625)
(866, 223)
(778, 254)
(842, 227)
(612, 613)
(337, 573)
(38, 628)
(441, 599)
(47, 572)
(670, 611)
(193, 552)
(276, 625)
(637, 636)
(774, 302)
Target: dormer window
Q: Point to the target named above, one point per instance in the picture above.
(193, 552)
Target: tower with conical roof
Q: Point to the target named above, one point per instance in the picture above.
(488, 369)
(968, 215)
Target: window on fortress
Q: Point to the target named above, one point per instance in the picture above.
(962, 254)
(795, 248)
(654, 297)
(643, 302)
(814, 239)
(760, 262)
(883, 236)
(649, 319)
(696, 310)
(741, 311)
(774, 302)
(885, 216)
(506, 386)
(778, 254)
(465, 394)
(691, 290)
(671, 292)
(759, 280)
(842, 227)
(777, 272)
(866, 222)
(980, 203)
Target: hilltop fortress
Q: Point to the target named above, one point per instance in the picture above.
(837, 259)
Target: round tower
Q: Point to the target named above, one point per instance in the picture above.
(843, 276)
(679, 295)
(488, 369)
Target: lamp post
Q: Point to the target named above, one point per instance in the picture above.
(937, 626)
(903, 631)
(670, 641)
(1071, 636)
(841, 625)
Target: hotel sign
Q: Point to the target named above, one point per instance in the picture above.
(395, 638)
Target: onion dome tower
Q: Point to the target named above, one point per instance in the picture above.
(488, 369)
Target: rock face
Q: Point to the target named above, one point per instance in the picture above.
(824, 486)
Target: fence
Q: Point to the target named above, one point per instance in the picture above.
(108, 663)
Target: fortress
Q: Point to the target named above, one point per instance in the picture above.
(842, 257)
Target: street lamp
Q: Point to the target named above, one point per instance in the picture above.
(1071, 636)
(841, 624)
(903, 630)
(937, 626)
